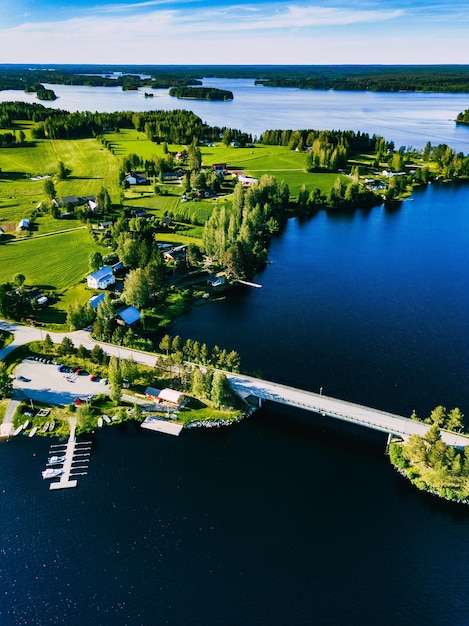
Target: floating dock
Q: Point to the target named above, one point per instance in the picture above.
(162, 426)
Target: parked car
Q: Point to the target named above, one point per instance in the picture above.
(94, 377)
(78, 401)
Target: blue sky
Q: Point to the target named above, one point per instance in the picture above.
(233, 32)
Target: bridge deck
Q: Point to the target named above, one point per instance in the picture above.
(338, 409)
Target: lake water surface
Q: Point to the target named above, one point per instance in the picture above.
(285, 518)
(408, 119)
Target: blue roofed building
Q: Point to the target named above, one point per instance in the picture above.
(128, 316)
(95, 300)
(102, 278)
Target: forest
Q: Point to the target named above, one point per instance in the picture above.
(389, 78)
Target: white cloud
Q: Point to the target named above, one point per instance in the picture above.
(256, 33)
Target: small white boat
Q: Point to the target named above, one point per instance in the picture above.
(45, 428)
(51, 425)
(18, 430)
(52, 472)
(55, 460)
(33, 432)
(25, 425)
(100, 421)
(106, 418)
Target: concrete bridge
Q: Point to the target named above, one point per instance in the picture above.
(247, 386)
(390, 423)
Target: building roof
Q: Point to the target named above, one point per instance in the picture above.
(171, 395)
(129, 315)
(95, 300)
(151, 391)
(101, 273)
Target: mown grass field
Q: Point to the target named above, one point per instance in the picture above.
(92, 167)
(58, 261)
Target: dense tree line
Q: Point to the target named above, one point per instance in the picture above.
(452, 79)
(201, 93)
(27, 79)
(237, 237)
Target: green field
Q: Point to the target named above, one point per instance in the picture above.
(92, 167)
(56, 261)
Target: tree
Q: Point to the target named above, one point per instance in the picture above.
(455, 419)
(95, 261)
(62, 171)
(198, 383)
(438, 416)
(82, 352)
(129, 369)
(49, 347)
(18, 280)
(165, 344)
(115, 379)
(97, 354)
(6, 384)
(49, 189)
(136, 289)
(219, 390)
(66, 347)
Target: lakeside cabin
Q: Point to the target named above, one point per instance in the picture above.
(167, 396)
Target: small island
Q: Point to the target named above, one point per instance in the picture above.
(432, 465)
(201, 93)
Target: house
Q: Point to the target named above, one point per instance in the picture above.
(102, 278)
(172, 175)
(95, 300)
(176, 255)
(165, 395)
(152, 394)
(138, 213)
(171, 395)
(219, 168)
(104, 225)
(24, 224)
(247, 181)
(128, 316)
(136, 179)
(166, 222)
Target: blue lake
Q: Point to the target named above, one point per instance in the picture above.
(285, 518)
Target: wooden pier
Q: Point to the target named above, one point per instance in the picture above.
(65, 482)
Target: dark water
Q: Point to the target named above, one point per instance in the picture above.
(285, 518)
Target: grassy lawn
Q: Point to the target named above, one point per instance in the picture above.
(59, 261)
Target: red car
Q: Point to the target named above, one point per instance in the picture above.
(94, 376)
(78, 401)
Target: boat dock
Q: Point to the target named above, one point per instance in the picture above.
(73, 452)
(162, 426)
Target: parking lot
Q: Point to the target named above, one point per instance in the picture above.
(44, 383)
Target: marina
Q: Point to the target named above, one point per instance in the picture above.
(67, 455)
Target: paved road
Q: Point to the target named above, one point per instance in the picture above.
(339, 409)
(246, 385)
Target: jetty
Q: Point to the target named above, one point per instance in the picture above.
(66, 481)
(162, 426)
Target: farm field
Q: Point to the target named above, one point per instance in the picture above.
(56, 261)
(92, 167)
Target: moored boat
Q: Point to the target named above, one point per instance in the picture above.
(106, 418)
(18, 430)
(55, 460)
(33, 431)
(52, 472)
(51, 425)
(100, 422)
(25, 425)
(45, 428)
